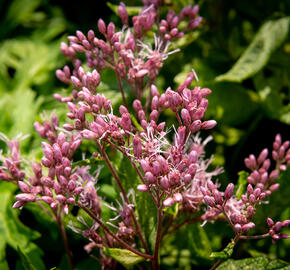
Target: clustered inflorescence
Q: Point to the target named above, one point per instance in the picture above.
(171, 171)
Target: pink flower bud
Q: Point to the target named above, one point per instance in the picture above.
(248, 226)
(142, 188)
(78, 190)
(110, 30)
(185, 117)
(23, 187)
(244, 198)
(195, 126)
(137, 105)
(168, 202)
(264, 177)
(137, 146)
(187, 178)
(266, 165)
(204, 191)
(164, 182)
(46, 162)
(250, 212)
(278, 226)
(47, 199)
(25, 197)
(208, 124)
(70, 200)
(60, 198)
(262, 196)
(252, 199)
(123, 14)
(192, 169)
(257, 192)
(47, 181)
(250, 189)
(238, 227)
(156, 168)
(262, 157)
(57, 187)
(18, 204)
(270, 222)
(274, 187)
(177, 197)
(275, 155)
(141, 73)
(57, 152)
(273, 175)
(150, 177)
(102, 26)
(209, 200)
(163, 163)
(229, 191)
(218, 197)
(283, 236)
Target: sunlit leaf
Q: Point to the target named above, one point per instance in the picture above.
(225, 253)
(126, 257)
(268, 39)
(259, 263)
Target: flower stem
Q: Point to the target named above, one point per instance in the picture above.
(118, 180)
(155, 261)
(107, 230)
(64, 237)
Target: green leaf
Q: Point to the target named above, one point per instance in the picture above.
(87, 161)
(25, 261)
(13, 232)
(20, 118)
(231, 104)
(225, 253)
(126, 257)
(130, 9)
(268, 39)
(259, 263)
(172, 210)
(241, 185)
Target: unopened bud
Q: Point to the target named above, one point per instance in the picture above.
(229, 191)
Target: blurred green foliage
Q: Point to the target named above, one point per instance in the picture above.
(242, 53)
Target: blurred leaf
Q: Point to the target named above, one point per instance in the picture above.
(285, 114)
(236, 103)
(25, 261)
(242, 184)
(131, 10)
(147, 216)
(88, 264)
(225, 253)
(19, 12)
(259, 263)
(86, 162)
(172, 210)
(272, 102)
(126, 257)
(13, 232)
(21, 118)
(268, 39)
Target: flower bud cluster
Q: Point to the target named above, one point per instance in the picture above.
(124, 51)
(178, 170)
(261, 183)
(10, 169)
(125, 228)
(170, 27)
(275, 228)
(58, 187)
(193, 105)
(48, 130)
